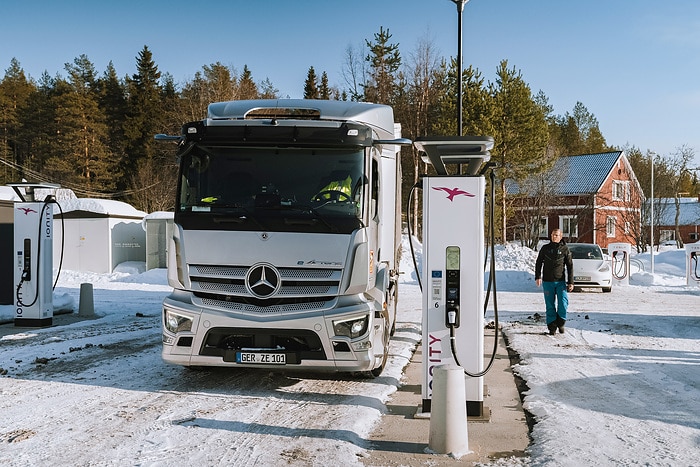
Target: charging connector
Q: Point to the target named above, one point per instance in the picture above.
(452, 316)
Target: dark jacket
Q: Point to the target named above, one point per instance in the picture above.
(551, 261)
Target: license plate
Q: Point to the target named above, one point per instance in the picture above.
(582, 278)
(261, 358)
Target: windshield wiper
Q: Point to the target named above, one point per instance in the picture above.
(235, 214)
(310, 210)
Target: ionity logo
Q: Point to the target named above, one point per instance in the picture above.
(452, 192)
(27, 210)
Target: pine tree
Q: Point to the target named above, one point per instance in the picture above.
(83, 160)
(15, 90)
(38, 131)
(144, 114)
(520, 132)
(477, 103)
(310, 85)
(384, 60)
(247, 89)
(113, 105)
(268, 90)
(324, 91)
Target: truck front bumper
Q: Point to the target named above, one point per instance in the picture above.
(339, 339)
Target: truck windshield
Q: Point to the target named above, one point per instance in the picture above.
(281, 189)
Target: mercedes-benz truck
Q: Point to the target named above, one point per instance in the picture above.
(286, 241)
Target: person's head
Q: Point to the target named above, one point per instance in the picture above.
(555, 236)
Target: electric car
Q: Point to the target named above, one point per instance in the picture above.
(591, 269)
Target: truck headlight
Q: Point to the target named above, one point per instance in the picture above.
(351, 328)
(175, 322)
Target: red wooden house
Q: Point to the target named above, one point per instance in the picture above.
(592, 198)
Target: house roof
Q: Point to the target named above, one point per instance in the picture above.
(585, 173)
(689, 211)
(92, 207)
(572, 175)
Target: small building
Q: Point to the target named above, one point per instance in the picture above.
(97, 234)
(592, 198)
(665, 220)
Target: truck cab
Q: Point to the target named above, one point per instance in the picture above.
(286, 238)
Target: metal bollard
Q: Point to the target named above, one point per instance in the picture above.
(86, 307)
(448, 413)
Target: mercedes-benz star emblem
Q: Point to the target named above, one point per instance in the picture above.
(263, 280)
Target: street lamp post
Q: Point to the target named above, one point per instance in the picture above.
(460, 9)
(652, 214)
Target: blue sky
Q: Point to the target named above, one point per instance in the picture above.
(635, 64)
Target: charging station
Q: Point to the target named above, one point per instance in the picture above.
(33, 246)
(692, 258)
(453, 263)
(620, 262)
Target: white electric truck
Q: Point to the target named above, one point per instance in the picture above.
(286, 241)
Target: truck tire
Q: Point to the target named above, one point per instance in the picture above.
(386, 336)
(394, 295)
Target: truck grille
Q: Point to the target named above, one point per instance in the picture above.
(299, 289)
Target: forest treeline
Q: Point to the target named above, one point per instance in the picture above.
(94, 133)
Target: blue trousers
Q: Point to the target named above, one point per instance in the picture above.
(555, 292)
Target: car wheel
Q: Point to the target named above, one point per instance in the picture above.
(607, 289)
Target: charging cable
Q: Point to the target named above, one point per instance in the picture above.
(619, 265)
(491, 286)
(26, 273)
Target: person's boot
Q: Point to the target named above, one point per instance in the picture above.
(552, 328)
(559, 323)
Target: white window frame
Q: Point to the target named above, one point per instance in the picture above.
(610, 223)
(565, 224)
(621, 190)
(667, 235)
(543, 227)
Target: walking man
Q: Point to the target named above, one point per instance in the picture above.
(553, 267)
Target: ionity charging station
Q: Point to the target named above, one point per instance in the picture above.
(620, 262)
(692, 258)
(453, 263)
(33, 242)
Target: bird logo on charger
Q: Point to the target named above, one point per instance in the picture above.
(452, 192)
(27, 210)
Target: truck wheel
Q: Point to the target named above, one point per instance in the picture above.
(394, 306)
(378, 371)
(385, 341)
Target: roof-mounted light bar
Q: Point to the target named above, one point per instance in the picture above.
(441, 151)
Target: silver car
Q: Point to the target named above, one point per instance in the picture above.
(591, 268)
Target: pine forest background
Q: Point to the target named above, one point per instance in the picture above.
(94, 133)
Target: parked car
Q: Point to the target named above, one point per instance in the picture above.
(591, 268)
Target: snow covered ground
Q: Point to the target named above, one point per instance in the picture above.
(619, 388)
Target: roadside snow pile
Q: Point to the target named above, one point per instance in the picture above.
(516, 268)
(512, 257)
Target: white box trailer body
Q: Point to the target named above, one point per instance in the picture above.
(286, 237)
